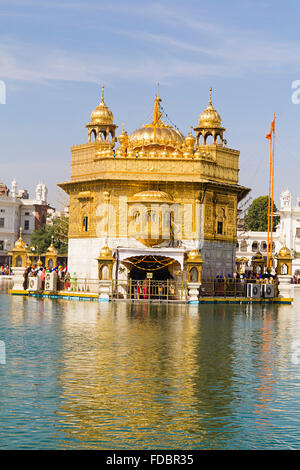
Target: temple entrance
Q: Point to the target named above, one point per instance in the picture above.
(151, 277)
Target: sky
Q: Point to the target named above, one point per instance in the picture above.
(55, 55)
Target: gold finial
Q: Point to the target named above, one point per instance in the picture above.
(102, 97)
(123, 127)
(210, 101)
(191, 131)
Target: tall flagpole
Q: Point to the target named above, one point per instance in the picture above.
(269, 205)
(271, 247)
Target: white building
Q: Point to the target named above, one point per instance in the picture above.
(17, 210)
(287, 232)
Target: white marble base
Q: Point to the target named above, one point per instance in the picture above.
(193, 291)
(285, 287)
(18, 278)
(105, 290)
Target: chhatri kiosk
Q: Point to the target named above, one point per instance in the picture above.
(158, 205)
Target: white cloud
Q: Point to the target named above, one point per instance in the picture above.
(207, 50)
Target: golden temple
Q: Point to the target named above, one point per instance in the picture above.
(157, 195)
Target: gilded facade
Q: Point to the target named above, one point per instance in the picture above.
(154, 195)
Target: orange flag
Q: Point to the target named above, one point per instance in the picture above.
(269, 136)
(272, 131)
(273, 125)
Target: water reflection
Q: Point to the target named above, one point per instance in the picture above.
(120, 375)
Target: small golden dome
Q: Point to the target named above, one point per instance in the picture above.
(123, 138)
(20, 244)
(193, 254)
(152, 196)
(190, 139)
(51, 249)
(102, 114)
(258, 256)
(210, 117)
(284, 251)
(105, 252)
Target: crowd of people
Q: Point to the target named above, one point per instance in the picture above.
(63, 276)
(4, 270)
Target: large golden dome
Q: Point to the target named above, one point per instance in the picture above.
(161, 134)
(156, 133)
(102, 114)
(210, 117)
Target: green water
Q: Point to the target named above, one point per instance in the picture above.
(90, 375)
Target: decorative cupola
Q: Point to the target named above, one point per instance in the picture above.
(285, 199)
(190, 142)
(258, 263)
(194, 266)
(284, 261)
(209, 125)
(102, 129)
(51, 255)
(105, 263)
(19, 253)
(123, 139)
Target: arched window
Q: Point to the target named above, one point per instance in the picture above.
(264, 246)
(85, 223)
(167, 219)
(136, 217)
(209, 139)
(105, 273)
(93, 135)
(218, 139)
(220, 227)
(103, 136)
(284, 269)
(194, 275)
(154, 217)
(254, 246)
(244, 245)
(237, 245)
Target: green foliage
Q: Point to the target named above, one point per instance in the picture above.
(257, 215)
(41, 238)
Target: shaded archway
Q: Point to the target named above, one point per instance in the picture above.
(158, 266)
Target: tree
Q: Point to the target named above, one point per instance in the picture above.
(41, 238)
(257, 216)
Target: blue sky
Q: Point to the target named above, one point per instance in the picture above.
(54, 56)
